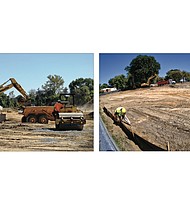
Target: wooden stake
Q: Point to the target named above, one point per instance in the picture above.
(168, 146)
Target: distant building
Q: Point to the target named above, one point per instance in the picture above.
(108, 90)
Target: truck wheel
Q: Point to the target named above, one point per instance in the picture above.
(31, 119)
(43, 119)
(23, 119)
(57, 126)
(80, 128)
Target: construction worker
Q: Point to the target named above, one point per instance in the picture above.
(120, 114)
(57, 107)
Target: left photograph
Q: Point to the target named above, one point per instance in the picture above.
(46, 101)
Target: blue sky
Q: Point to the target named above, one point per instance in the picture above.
(31, 70)
(114, 64)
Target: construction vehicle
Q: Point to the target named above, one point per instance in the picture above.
(148, 83)
(31, 114)
(4, 87)
(40, 114)
(163, 82)
(70, 117)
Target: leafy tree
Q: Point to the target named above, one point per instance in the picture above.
(65, 90)
(174, 74)
(177, 74)
(83, 88)
(140, 69)
(3, 100)
(32, 95)
(159, 79)
(12, 100)
(53, 86)
(118, 82)
(103, 86)
(186, 75)
(41, 97)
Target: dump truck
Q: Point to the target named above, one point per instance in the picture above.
(164, 82)
(69, 117)
(40, 114)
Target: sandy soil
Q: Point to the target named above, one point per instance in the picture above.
(17, 136)
(159, 114)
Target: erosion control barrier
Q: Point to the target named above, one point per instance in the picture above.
(138, 140)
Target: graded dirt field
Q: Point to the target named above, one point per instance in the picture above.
(160, 115)
(17, 136)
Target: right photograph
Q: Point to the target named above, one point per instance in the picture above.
(144, 101)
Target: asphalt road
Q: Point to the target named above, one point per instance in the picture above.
(106, 141)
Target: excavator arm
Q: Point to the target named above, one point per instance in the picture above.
(14, 84)
(151, 78)
(147, 84)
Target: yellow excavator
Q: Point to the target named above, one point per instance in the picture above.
(4, 87)
(13, 83)
(147, 84)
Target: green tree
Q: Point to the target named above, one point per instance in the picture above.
(103, 86)
(174, 74)
(12, 100)
(32, 95)
(119, 82)
(159, 79)
(53, 86)
(140, 69)
(3, 100)
(83, 88)
(65, 90)
(186, 75)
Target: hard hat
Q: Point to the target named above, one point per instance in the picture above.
(123, 110)
(59, 100)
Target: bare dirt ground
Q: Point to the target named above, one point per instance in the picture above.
(17, 136)
(161, 115)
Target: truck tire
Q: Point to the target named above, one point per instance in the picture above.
(43, 119)
(80, 128)
(31, 119)
(57, 126)
(23, 119)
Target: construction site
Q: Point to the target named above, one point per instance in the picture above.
(159, 116)
(40, 128)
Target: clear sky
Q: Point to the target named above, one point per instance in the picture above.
(114, 64)
(31, 70)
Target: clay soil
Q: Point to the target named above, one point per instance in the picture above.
(161, 115)
(17, 136)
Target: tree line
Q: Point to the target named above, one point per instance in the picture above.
(138, 72)
(50, 91)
